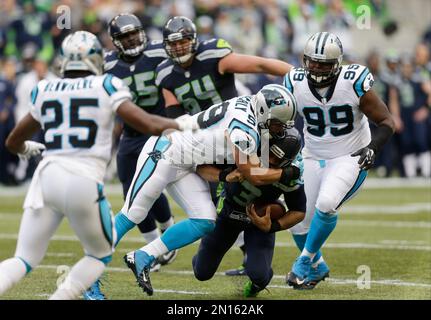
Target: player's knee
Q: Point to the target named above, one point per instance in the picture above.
(203, 226)
(326, 204)
(259, 276)
(201, 273)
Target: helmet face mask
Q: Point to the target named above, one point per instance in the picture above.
(321, 73)
(180, 39)
(284, 151)
(81, 51)
(128, 35)
(323, 54)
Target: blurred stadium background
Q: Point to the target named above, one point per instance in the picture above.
(387, 227)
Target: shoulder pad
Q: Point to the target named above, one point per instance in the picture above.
(359, 76)
(155, 50)
(109, 65)
(213, 49)
(163, 70)
(295, 75)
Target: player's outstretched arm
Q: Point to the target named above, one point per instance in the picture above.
(374, 108)
(24, 130)
(145, 122)
(241, 63)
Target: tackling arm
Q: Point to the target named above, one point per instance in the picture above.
(143, 121)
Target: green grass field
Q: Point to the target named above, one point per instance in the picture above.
(387, 230)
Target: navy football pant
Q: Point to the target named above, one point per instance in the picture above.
(213, 247)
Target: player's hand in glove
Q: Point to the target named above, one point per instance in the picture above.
(187, 122)
(366, 159)
(31, 149)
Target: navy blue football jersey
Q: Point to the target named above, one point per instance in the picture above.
(140, 76)
(201, 85)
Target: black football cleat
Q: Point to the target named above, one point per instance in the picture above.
(143, 277)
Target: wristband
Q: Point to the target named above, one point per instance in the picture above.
(223, 174)
(288, 174)
(380, 137)
(275, 226)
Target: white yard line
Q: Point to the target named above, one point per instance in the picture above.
(405, 208)
(385, 224)
(339, 281)
(341, 245)
(401, 209)
(370, 183)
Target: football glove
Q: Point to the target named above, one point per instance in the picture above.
(31, 149)
(366, 159)
(187, 122)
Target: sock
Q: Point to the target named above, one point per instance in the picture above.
(11, 272)
(410, 163)
(165, 225)
(81, 277)
(122, 225)
(321, 227)
(155, 248)
(150, 236)
(300, 243)
(425, 163)
(316, 262)
(186, 232)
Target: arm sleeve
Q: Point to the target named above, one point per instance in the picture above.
(296, 200)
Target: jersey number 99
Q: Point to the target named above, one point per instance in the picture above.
(338, 115)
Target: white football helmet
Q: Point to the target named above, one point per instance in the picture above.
(325, 49)
(81, 51)
(274, 103)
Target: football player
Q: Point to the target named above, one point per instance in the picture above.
(135, 61)
(77, 115)
(336, 102)
(170, 161)
(232, 215)
(198, 75)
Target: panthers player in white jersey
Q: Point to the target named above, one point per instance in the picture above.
(336, 102)
(231, 132)
(77, 115)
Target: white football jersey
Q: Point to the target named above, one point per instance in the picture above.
(334, 126)
(77, 116)
(223, 124)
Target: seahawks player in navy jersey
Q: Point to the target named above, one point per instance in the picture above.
(259, 232)
(197, 74)
(135, 61)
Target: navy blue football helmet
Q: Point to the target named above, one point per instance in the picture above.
(287, 148)
(180, 39)
(127, 34)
